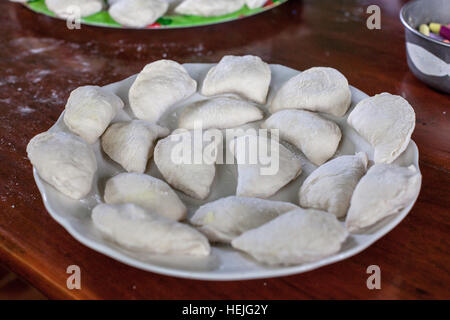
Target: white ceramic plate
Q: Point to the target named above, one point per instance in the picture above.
(224, 263)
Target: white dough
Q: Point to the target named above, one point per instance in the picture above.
(227, 218)
(145, 231)
(89, 111)
(208, 8)
(65, 8)
(315, 136)
(317, 89)
(271, 171)
(159, 86)
(184, 173)
(330, 187)
(253, 4)
(65, 161)
(111, 2)
(146, 191)
(247, 76)
(386, 121)
(383, 191)
(131, 143)
(220, 113)
(137, 13)
(296, 237)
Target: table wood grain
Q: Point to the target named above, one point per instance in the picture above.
(41, 61)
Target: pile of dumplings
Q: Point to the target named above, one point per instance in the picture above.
(143, 213)
(141, 13)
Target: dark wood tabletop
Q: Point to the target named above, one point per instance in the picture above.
(41, 61)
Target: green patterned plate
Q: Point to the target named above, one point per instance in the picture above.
(103, 19)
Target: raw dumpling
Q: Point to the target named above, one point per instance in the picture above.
(384, 190)
(145, 231)
(247, 76)
(208, 8)
(131, 143)
(263, 167)
(138, 13)
(176, 157)
(315, 136)
(330, 187)
(146, 191)
(296, 237)
(89, 111)
(220, 113)
(160, 85)
(386, 121)
(65, 161)
(317, 89)
(227, 218)
(65, 8)
(253, 4)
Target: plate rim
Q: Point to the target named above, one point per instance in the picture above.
(115, 254)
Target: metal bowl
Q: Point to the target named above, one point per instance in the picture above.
(428, 59)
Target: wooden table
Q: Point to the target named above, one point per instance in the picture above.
(41, 61)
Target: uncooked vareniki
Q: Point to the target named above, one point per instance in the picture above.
(316, 137)
(176, 159)
(89, 111)
(384, 190)
(71, 8)
(160, 85)
(137, 13)
(131, 143)
(145, 231)
(330, 187)
(227, 218)
(317, 89)
(386, 121)
(295, 237)
(220, 113)
(247, 76)
(146, 191)
(253, 4)
(264, 166)
(65, 161)
(208, 8)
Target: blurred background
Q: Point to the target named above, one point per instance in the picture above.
(12, 288)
